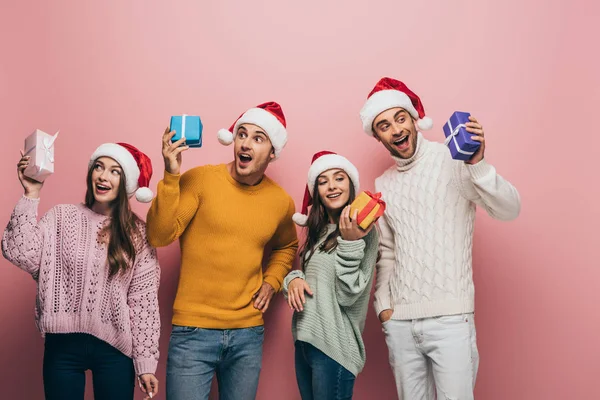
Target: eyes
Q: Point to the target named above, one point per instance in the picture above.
(257, 138)
(100, 168)
(339, 178)
(384, 127)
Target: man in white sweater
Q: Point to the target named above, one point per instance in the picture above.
(424, 293)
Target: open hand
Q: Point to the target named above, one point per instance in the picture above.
(296, 289)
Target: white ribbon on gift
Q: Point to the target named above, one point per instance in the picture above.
(48, 148)
(452, 136)
(183, 126)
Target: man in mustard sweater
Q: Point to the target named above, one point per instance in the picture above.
(224, 216)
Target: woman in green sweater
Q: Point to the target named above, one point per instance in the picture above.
(330, 295)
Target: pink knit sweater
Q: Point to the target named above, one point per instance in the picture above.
(66, 254)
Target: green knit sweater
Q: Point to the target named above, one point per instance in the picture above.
(333, 319)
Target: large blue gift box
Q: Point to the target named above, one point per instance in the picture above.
(458, 140)
(188, 127)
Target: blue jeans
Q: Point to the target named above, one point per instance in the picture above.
(319, 377)
(68, 355)
(195, 354)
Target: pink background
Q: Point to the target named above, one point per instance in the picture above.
(116, 70)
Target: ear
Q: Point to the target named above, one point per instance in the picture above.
(272, 155)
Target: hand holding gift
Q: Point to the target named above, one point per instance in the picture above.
(463, 146)
(476, 129)
(39, 147)
(172, 152)
(368, 207)
(349, 228)
(31, 187)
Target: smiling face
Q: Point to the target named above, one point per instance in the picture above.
(333, 187)
(395, 129)
(105, 180)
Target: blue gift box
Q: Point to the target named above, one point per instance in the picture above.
(458, 140)
(188, 126)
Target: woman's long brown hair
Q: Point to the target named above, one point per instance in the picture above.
(316, 226)
(122, 230)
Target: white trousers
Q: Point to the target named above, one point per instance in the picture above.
(433, 355)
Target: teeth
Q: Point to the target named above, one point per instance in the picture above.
(333, 196)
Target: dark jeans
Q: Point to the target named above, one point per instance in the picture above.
(66, 358)
(319, 377)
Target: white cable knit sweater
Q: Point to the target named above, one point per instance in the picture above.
(426, 240)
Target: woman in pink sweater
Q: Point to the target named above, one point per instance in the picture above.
(97, 279)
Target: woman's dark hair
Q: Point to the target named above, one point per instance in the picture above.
(122, 230)
(316, 226)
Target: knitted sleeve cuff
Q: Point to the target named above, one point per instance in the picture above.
(480, 170)
(145, 366)
(382, 304)
(351, 247)
(171, 180)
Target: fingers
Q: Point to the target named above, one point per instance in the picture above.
(479, 139)
(168, 135)
(296, 303)
(345, 218)
(265, 307)
(354, 221)
(307, 289)
(472, 119)
(180, 149)
(301, 296)
(477, 131)
(149, 385)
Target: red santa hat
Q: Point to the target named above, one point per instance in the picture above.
(269, 116)
(136, 166)
(391, 93)
(321, 162)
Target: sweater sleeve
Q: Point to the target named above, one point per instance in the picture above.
(354, 265)
(481, 184)
(385, 267)
(285, 245)
(23, 239)
(174, 206)
(142, 299)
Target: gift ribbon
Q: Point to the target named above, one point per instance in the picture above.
(47, 147)
(452, 136)
(183, 126)
(375, 199)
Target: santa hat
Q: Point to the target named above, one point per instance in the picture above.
(269, 116)
(136, 166)
(321, 162)
(391, 93)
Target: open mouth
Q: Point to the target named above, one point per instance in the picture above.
(244, 158)
(402, 141)
(334, 195)
(102, 189)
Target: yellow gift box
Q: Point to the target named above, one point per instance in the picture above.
(370, 207)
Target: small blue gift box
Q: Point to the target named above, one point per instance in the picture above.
(458, 140)
(188, 127)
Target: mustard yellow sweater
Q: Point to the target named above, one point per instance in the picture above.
(223, 229)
